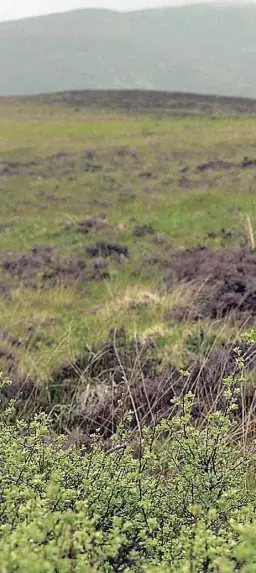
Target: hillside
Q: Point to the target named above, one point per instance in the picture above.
(199, 48)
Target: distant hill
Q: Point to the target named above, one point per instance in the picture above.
(200, 48)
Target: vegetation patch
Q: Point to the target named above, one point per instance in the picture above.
(177, 499)
(41, 265)
(74, 206)
(146, 373)
(94, 391)
(222, 282)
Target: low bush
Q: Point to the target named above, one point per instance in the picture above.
(177, 498)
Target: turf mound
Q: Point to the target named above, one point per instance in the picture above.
(223, 282)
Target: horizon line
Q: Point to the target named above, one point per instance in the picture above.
(177, 5)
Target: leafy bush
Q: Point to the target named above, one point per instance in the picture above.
(179, 500)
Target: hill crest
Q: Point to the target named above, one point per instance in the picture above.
(200, 48)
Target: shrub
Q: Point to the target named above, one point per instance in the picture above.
(181, 501)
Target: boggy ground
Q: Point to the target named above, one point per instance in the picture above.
(92, 393)
(111, 219)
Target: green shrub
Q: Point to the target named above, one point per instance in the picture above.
(181, 501)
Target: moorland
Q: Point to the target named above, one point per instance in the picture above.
(127, 317)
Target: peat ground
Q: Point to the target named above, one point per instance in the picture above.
(124, 212)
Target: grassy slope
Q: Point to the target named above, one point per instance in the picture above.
(197, 48)
(55, 323)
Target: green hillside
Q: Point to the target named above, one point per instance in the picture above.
(200, 48)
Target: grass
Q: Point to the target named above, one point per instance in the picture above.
(189, 457)
(42, 203)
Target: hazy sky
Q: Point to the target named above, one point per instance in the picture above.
(12, 9)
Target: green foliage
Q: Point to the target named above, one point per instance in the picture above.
(199, 341)
(180, 502)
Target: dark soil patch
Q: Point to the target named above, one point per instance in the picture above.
(59, 164)
(90, 225)
(147, 174)
(14, 167)
(90, 155)
(141, 230)
(248, 163)
(41, 265)
(103, 249)
(59, 155)
(225, 280)
(220, 164)
(92, 167)
(222, 234)
(5, 286)
(215, 165)
(127, 152)
(185, 182)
